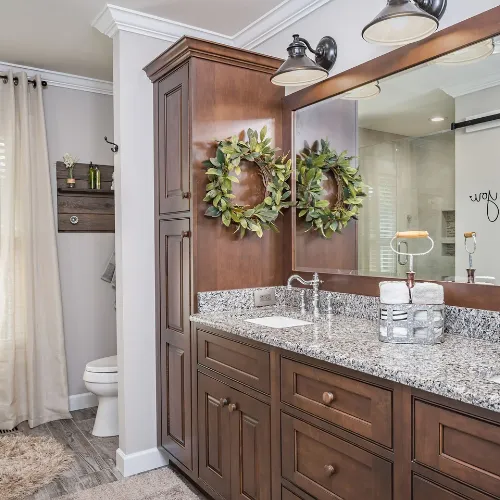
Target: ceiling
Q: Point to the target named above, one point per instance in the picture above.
(408, 100)
(57, 34)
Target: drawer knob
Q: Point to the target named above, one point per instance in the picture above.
(233, 407)
(186, 234)
(330, 470)
(186, 196)
(328, 398)
(224, 402)
(73, 219)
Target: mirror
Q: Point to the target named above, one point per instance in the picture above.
(417, 170)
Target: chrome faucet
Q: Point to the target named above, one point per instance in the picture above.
(314, 283)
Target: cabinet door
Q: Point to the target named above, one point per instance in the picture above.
(250, 448)
(173, 142)
(175, 341)
(214, 435)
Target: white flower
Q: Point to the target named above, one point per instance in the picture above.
(69, 160)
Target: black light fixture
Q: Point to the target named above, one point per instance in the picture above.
(298, 69)
(405, 21)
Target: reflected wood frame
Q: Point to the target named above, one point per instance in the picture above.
(458, 36)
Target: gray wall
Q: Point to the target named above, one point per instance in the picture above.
(76, 123)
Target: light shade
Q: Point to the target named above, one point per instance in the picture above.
(467, 55)
(368, 91)
(400, 22)
(298, 70)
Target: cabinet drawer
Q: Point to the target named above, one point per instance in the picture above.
(356, 406)
(330, 468)
(425, 490)
(288, 495)
(241, 362)
(460, 446)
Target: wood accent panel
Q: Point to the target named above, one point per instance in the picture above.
(227, 100)
(80, 174)
(86, 204)
(425, 490)
(173, 142)
(308, 452)
(87, 223)
(214, 434)
(468, 32)
(188, 47)
(355, 406)
(239, 361)
(250, 448)
(175, 340)
(462, 447)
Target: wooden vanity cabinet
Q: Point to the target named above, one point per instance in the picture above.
(203, 91)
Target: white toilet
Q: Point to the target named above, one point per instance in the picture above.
(101, 378)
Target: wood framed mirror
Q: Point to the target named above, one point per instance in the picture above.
(393, 151)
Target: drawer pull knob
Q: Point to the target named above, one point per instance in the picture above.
(330, 470)
(224, 402)
(73, 219)
(233, 407)
(328, 398)
(186, 234)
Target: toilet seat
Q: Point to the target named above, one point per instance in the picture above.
(102, 371)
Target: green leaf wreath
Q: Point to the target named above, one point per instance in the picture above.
(312, 166)
(223, 170)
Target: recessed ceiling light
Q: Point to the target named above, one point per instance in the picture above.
(437, 119)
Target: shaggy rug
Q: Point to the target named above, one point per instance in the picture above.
(160, 484)
(27, 463)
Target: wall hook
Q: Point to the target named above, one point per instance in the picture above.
(114, 146)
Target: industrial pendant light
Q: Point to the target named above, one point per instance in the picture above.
(298, 69)
(405, 21)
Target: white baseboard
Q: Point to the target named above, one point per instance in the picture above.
(142, 461)
(81, 401)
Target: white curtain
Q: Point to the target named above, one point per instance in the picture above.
(33, 379)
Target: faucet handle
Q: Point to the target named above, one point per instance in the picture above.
(303, 301)
(316, 278)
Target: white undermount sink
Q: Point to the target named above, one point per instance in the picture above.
(278, 322)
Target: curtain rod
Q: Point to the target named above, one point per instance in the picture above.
(5, 79)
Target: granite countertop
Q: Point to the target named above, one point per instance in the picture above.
(457, 369)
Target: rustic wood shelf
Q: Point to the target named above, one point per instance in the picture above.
(81, 191)
(84, 210)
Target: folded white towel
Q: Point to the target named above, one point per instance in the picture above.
(397, 331)
(394, 292)
(422, 316)
(427, 293)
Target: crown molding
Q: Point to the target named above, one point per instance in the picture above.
(113, 19)
(461, 89)
(276, 20)
(64, 80)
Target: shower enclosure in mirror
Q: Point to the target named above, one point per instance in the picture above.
(419, 172)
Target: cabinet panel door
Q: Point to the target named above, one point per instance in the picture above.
(173, 142)
(250, 448)
(175, 340)
(214, 435)
(425, 490)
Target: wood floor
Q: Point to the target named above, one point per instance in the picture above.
(94, 457)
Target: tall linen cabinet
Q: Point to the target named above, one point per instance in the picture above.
(202, 91)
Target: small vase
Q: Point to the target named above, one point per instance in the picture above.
(70, 181)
